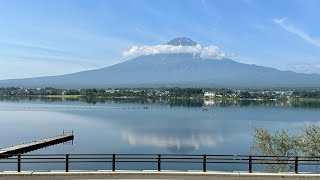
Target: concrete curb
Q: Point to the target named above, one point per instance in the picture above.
(156, 173)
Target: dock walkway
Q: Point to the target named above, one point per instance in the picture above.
(34, 145)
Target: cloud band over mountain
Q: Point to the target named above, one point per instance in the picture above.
(205, 52)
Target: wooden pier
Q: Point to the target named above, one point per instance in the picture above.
(34, 145)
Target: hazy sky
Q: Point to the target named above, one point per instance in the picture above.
(61, 36)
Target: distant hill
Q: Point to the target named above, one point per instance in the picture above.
(181, 69)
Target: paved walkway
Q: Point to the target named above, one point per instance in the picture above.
(95, 175)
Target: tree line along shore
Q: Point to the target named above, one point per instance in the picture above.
(195, 93)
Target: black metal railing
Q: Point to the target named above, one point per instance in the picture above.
(158, 160)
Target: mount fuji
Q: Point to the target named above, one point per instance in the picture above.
(180, 62)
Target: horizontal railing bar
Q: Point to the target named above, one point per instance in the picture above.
(92, 154)
(22, 158)
(160, 154)
(221, 155)
(301, 160)
(309, 164)
(36, 162)
(181, 158)
(39, 162)
(227, 162)
(129, 158)
(272, 163)
(227, 159)
(290, 156)
(123, 161)
(273, 160)
(224, 155)
(195, 162)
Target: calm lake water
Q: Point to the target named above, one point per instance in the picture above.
(164, 127)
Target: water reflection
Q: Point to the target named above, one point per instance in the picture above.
(187, 103)
(166, 126)
(174, 141)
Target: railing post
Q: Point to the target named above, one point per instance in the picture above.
(67, 162)
(250, 164)
(296, 165)
(204, 163)
(113, 162)
(19, 163)
(159, 162)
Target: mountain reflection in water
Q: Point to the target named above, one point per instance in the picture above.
(175, 141)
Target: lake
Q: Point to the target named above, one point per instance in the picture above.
(147, 126)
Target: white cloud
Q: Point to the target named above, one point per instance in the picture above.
(291, 29)
(206, 52)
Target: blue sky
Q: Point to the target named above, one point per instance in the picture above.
(54, 37)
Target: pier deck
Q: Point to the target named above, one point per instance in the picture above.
(34, 145)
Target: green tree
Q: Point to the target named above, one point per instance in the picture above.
(281, 143)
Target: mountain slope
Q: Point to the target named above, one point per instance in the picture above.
(174, 70)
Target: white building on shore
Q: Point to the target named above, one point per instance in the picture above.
(209, 94)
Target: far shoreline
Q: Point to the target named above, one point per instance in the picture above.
(156, 97)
